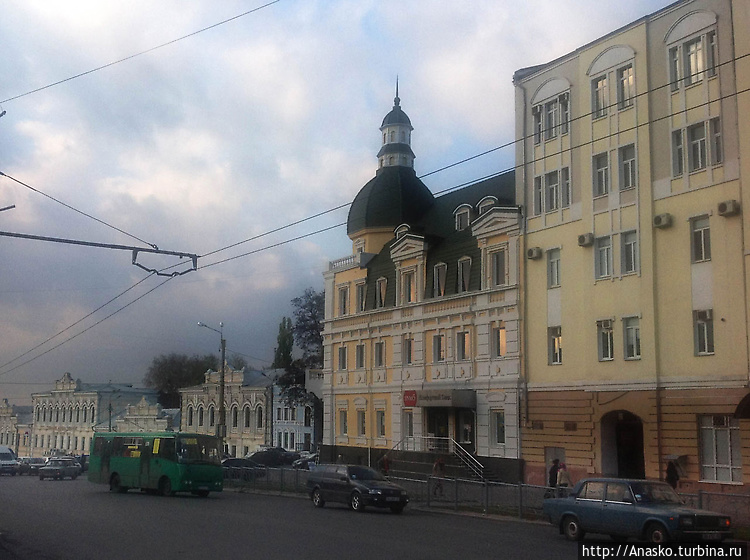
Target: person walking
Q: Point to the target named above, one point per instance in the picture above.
(438, 473)
(563, 480)
(552, 481)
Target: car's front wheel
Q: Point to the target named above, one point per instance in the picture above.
(656, 533)
(572, 528)
(356, 503)
(317, 499)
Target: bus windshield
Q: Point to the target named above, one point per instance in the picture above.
(199, 450)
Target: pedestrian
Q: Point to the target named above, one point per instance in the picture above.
(673, 476)
(563, 479)
(384, 464)
(552, 481)
(438, 473)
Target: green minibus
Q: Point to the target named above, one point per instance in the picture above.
(164, 462)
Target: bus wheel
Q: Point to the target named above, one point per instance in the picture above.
(165, 487)
(115, 486)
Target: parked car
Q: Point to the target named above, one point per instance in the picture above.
(356, 486)
(242, 469)
(30, 465)
(8, 461)
(59, 468)
(644, 509)
(307, 463)
(274, 457)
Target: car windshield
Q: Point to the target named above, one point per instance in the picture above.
(197, 449)
(58, 463)
(655, 493)
(364, 473)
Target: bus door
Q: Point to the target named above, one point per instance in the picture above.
(145, 470)
(163, 456)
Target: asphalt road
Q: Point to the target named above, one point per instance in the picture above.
(78, 520)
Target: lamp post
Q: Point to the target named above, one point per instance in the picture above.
(221, 428)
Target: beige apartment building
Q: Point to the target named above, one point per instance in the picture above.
(635, 286)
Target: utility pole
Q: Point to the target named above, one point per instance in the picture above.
(221, 428)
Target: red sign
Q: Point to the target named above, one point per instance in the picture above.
(410, 398)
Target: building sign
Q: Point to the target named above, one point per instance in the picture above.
(454, 398)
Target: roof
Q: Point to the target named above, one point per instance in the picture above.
(397, 115)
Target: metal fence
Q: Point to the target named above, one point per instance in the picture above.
(492, 498)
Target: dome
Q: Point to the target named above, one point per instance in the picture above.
(396, 116)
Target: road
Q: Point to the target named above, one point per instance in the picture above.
(78, 520)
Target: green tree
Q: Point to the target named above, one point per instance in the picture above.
(170, 373)
(309, 312)
(284, 344)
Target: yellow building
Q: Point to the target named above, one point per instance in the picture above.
(635, 292)
(421, 320)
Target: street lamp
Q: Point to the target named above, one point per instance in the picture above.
(221, 428)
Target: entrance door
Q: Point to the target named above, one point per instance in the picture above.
(465, 428)
(437, 427)
(622, 445)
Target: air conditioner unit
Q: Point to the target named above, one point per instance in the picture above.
(534, 253)
(586, 239)
(662, 220)
(729, 208)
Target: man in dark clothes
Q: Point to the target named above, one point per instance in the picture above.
(553, 472)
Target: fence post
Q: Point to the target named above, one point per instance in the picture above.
(520, 500)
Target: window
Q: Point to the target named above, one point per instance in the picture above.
(408, 287)
(703, 328)
(538, 125)
(361, 423)
(629, 252)
(407, 350)
(554, 342)
(462, 346)
(498, 427)
(361, 296)
(721, 449)
(379, 354)
(200, 416)
(601, 174)
(550, 120)
(603, 264)
(692, 60)
(259, 418)
(380, 422)
(693, 57)
(190, 416)
(552, 186)
(211, 416)
(497, 264)
(553, 268)
(342, 358)
(715, 133)
(696, 137)
(678, 154)
(343, 428)
(605, 337)
(564, 113)
(599, 97)
(701, 240)
(498, 340)
(627, 167)
(359, 356)
(565, 187)
(711, 53)
(308, 416)
(674, 68)
(343, 300)
(246, 416)
(625, 87)
(438, 279)
(438, 348)
(464, 270)
(381, 286)
(632, 332)
(462, 220)
(409, 423)
(537, 195)
(235, 417)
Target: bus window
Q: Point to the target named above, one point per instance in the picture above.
(198, 449)
(164, 448)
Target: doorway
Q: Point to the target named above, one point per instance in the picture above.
(622, 445)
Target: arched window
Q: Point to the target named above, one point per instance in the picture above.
(308, 416)
(78, 415)
(200, 416)
(211, 416)
(57, 414)
(93, 414)
(190, 416)
(235, 417)
(85, 414)
(246, 416)
(259, 418)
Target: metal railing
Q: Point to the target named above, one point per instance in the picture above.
(433, 444)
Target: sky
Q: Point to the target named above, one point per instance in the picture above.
(210, 144)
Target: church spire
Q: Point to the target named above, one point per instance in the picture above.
(396, 129)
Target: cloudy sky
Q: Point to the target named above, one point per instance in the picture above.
(212, 141)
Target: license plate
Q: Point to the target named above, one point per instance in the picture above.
(392, 499)
(711, 536)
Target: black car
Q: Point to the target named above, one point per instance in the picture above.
(242, 469)
(274, 457)
(356, 486)
(30, 465)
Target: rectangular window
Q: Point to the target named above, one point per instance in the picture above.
(721, 449)
(381, 286)
(603, 264)
(564, 113)
(438, 279)
(462, 346)
(343, 300)
(678, 154)
(674, 68)
(464, 270)
(538, 125)
(409, 423)
(361, 296)
(703, 328)
(711, 54)
(629, 252)
(565, 187)
(627, 167)
(343, 428)
(601, 174)
(552, 188)
(409, 287)
(538, 195)
(717, 154)
(438, 348)
(696, 146)
(498, 427)
(380, 421)
(497, 262)
(342, 358)
(407, 350)
(462, 220)
(599, 97)
(379, 359)
(632, 332)
(554, 342)
(605, 336)
(361, 423)
(359, 356)
(625, 87)
(701, 240)
(693, 61)
(553, 268)
(550, 120)
(498, 340)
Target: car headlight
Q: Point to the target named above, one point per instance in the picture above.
(687, 521)
(376, 491)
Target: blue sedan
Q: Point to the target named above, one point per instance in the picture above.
(647, 510)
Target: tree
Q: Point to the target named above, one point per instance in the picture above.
(284, 344)
(309, 312)
(169, 373)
